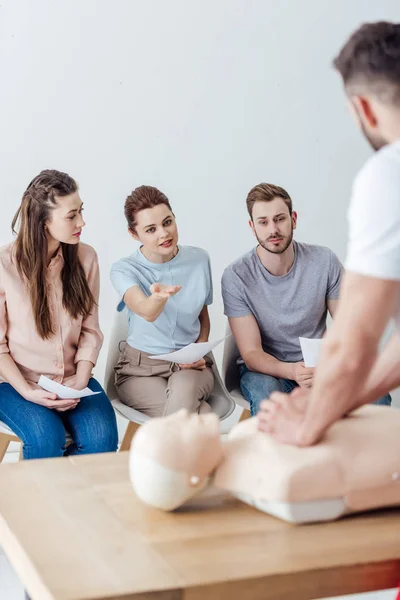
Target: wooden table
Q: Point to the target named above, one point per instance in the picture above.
(74, 530)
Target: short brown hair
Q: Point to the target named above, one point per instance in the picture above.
(141, 198)
(265, 192)
(370, 60)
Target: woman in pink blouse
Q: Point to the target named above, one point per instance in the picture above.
(49, 289)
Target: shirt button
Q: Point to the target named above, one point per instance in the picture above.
(53, 307)
(60, 366)
(59, 348)
(55, 328)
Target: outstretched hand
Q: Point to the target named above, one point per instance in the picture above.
(162, 292)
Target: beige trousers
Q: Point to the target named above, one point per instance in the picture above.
(157, 387)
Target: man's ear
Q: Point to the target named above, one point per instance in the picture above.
(365, 110)
(294, 219)
(251, 223)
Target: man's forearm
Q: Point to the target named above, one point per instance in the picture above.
(261, 362)
(385, 374)
(343, 367)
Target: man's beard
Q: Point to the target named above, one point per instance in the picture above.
(273, 250)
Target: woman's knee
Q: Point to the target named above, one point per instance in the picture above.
(95, 430)
(186, 389)
(102, 438)
(40, 444)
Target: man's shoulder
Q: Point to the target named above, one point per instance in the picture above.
(240, 266)
(315, 252)
(382, 168)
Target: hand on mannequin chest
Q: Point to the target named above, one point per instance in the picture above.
(355, 464)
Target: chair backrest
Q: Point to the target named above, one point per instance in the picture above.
(119, 332)
(220, 400)
(230, 370)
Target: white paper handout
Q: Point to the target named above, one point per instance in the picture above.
(63, 391)
(311, 349)
(189, 354)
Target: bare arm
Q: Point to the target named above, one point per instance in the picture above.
(149, 307)
(385, 375)
(332, 307)
(248, 339)
(349, 352)
(83, 373)
(204, 319)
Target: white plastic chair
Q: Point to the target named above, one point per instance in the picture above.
(220, 400)
(6, 437)
(230, 372)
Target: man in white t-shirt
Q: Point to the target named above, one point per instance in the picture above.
(350, 370)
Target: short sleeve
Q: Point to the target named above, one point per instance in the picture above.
(235, 304)
(374, 219)
(334, 277)
(123, 278)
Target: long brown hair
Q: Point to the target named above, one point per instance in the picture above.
(31, 248)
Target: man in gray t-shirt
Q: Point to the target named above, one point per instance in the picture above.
(279, 291)
(275, 293)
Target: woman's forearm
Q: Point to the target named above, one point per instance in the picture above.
(12, 375)
(204, 319)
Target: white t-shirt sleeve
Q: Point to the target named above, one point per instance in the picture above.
(374, 217)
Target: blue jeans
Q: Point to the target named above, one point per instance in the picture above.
(92, 424)
(257, 386)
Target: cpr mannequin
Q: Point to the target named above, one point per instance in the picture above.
(354, 468)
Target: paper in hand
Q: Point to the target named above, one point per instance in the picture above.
(189, 354)
(311, 349)
(63, 391)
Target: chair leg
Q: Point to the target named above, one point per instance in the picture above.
(245, 415)
(5, 440)
(129, 433)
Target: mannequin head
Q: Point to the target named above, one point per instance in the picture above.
(172, 457)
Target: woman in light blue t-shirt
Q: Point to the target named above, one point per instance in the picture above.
(166, 289)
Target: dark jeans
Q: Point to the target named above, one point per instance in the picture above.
(92, 424)
(258, 386)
